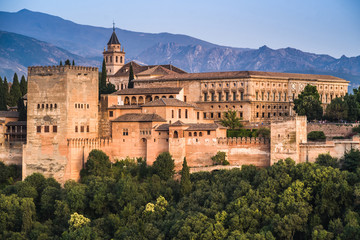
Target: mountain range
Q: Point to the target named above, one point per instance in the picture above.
(33, 38)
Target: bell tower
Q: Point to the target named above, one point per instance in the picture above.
(114, 56)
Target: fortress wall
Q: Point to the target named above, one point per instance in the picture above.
(332, 129)
(11, 153)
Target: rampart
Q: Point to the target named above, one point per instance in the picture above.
(332, 129)
(49, 70)
(11, 153)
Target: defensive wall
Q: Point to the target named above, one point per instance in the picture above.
(11, 153)
(332, 129)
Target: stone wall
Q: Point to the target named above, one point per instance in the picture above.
(332, 129)
(11, 153)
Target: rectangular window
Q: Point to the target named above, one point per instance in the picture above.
(208, 132)
(212, 96)
(204, 115)
(273, 96)
(220, 96)
(184, 98)
(198, 115)
(82, 129)
(186, 113)
(257, 96)
(241, 95)
(227, 96)
(87, 129)
(219, 115)
(279, 96)
(125, 132)
(76, 128)
(46, 129)
(87, 105)
(257, 114)
(262, 96)
(205, 97)
(38, 129)
(54, 128)
(179, 113)
(241, 114)
(172, 113)
(285, 97)
(234, 96)
(111, 113)
(211, 115)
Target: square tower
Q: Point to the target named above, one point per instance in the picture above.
(62, 104)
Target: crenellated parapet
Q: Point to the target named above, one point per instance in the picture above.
(88, 142)
(49, 70)
(243, 141)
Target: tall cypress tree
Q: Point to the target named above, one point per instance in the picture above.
(2, 96)
(67, 62)
(15, 92)
(185, 183)
(23, 85)
(102, 83)
(6, 92)
(73, 62)
(22, 110)
(131, 77)
(61, 63)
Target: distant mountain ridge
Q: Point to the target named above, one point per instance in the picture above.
(193, 55)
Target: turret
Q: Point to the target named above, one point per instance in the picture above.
(114, 56)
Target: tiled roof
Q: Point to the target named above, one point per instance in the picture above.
(168, 102)
(113, 39)
(141, 91)
(9, 114)
(202, 126)
(243, 74)
(137, 69)
(139, 117)
(178, 123)
(124, 107)
(163, 127)
(157, 70)
(16, 123)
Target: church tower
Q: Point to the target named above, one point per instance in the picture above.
(114, 56)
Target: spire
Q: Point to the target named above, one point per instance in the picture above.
(113, 38)
(113, 26)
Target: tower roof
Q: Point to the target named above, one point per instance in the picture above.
(113, 39)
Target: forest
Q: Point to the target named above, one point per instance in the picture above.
(130, 200)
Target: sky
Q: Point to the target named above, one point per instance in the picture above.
(318, 26)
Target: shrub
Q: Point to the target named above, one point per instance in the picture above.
(316, 136)
(220, 159)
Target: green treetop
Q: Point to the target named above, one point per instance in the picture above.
(231, 120)
(308, 103)
(23, 85)
(15, 91)
(131, 77)
(185, 183)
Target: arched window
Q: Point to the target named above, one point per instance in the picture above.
(127, 101)
(148, 99)
(200, 134)
(171, 96)
(133, 101)
(55, 105)
(176, 135)
(163, 97)
(141, 100)
(156, 98)
(190, 134)
(116, 59)
(121, 59)
(38, 105)
(195, 134)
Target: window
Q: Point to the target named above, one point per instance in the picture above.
(42, 105)
(38, 129)
(190, 134)
(176, 135)
(195, 134)
(205, 97)
(54, 128)
(200, 134)
(204, 115)
(111, 59)
(234, 96)
(87, 129)
(241, 95)
(184, 98)
(46, 129)
(116, 60)
(87, 105)
(279, 96)
(212, 96)
(263, 115)
(38, 105)
(55, 106)
(179, 113)
(257, 96)
(257, 114)
(268, 115)
(227, 96)
(111, 113)
(262, 96)
(172, 113)
(76, 128)
(220, 96)
(219, 115)
(186, 113)
(121, 59)
(241, 114)
(47, 105)
(198, 115)
(51, 106)
(212, 115)
(273, 96)
(125, 132)
(285, 97)
(82, 129)
(208, 132)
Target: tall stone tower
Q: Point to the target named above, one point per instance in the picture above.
(114, 56)
(62, 105)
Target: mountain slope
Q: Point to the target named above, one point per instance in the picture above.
(17, 52)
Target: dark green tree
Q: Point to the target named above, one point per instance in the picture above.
(6, 92)
(308, 103)
(22, 110)
(67, 62)
(327, 160)
(353, 107)
(351, 160)
(73, 62)
(23, 85)
(102, 80)
(110, 88)
(231, 120)
(164, 166)
(61, 63)
(185, 182)
(15, 91)
(98, 164)
(131, 77)
(337, 110)
(2, 96)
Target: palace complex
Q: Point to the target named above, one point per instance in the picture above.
(167, 110)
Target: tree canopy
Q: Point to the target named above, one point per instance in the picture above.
(308, 103)
(231, 120)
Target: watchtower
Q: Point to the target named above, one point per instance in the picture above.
(114, 56)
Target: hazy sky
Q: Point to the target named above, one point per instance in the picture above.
(320, 26)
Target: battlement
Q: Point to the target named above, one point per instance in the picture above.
(243, 141)
(88, 142)
(49, 70)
